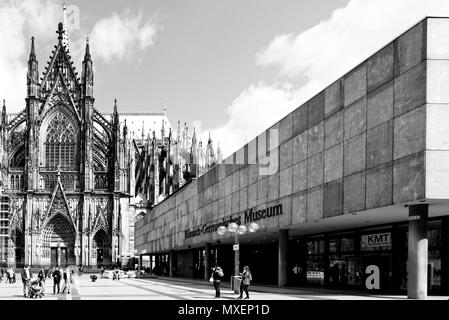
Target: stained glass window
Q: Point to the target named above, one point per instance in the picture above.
(60, 143)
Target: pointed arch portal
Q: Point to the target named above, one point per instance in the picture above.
(101, 248)
(58, 243)
(19, 248)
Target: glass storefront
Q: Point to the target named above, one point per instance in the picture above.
(434, 260)
(315, 261)
(199, 263)
(344, 263)
(341, 260)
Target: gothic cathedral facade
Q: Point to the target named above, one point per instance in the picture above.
(64, 169)
(73, 180)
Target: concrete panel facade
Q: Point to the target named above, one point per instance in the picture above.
(376, 137)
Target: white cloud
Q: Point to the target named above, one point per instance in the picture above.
(17, 19)
(112, 38)
(320, 55)
(254, 111)
(122, 36)
(350, 35)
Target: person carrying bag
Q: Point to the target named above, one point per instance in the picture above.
(246, 280)
(217, 275)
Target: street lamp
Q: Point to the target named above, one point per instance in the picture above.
(237, 230)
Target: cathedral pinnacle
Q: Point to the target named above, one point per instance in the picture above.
(60, 31)
(87, 53)
(32, 52)
(65, 37)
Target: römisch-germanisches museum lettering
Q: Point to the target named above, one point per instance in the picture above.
(250, 215)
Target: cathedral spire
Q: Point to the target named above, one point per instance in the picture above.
(88, 73)
(219, 154)
(115, 115)
(65, 37)
(33, 73)
(194, 138)
(32, 52)
(3, 119)
(125, 129)
(60, 31)
(163, 132)
(87, 52)
(178, 131)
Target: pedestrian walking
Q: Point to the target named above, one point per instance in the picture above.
(7, 276)
(217, 275)
(41, 278)
(335, 275)
(116, 275)
(67, 280)
(73, 279)
(246, 280)
(41, 275)
(56, 280)
(26, 278)
(11, 275)
(297, 273)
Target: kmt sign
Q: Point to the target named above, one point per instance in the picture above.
(376, 240)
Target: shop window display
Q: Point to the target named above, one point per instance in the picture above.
(315, 262)
(344, 264)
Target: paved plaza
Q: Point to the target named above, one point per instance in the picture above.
(163, 289)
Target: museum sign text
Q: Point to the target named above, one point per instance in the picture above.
(250, 215)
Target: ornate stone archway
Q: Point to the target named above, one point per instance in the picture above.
(58, 242)
(16, 248)
(101, 249)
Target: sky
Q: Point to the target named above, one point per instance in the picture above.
(235, 66)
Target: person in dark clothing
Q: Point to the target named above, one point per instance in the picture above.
(246, 280)
(335, 275)
(217, 275)
(41, 278)
(56, 280)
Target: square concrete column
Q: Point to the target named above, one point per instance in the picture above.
(171, 263)
(207, 266)
(282, 262)
(417, 251)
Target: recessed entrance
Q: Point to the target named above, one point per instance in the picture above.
(19, 248)
(59, 242)
(101, 248)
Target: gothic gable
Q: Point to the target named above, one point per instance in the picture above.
(100, 221)
(60, 95)
(58, 204)
(60, 74)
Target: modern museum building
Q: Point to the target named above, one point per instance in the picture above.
(352, 187)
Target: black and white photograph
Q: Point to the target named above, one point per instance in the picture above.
(231, 156)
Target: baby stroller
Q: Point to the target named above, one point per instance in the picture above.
(36, 290)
